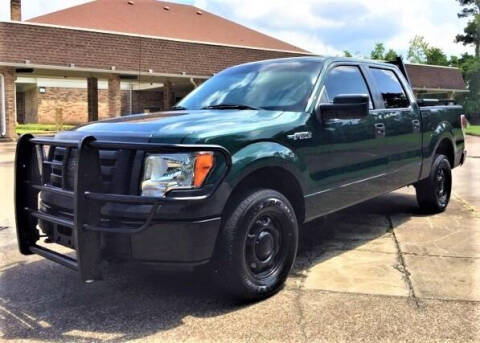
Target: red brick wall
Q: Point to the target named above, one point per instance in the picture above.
(30, 98)
(16, 10)
(41, 107)
(92, 98)
(125, 104)
(114, 97)
(57, 46)
(72, 101)
(141, 100)
(147, 99)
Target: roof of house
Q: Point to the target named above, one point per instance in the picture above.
(162, 19)
(430, 77)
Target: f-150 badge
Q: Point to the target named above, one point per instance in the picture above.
(300, 135)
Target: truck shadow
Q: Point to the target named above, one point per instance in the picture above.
(43, 301)
(353, 227)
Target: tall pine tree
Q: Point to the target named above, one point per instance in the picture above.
(471, 35)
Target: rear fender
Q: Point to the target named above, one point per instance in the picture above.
(444, 130)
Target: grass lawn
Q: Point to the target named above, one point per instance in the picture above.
(39, 128)
(473, 130)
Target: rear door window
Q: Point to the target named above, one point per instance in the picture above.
(390, 88)
(344, 80)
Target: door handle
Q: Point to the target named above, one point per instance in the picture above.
(380, 130)
(416, 125)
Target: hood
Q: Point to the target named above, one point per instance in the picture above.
(205, 126)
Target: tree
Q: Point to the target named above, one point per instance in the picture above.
(454, 61)
(464, 62)
(391, 55)
(471, 36)
(347, 53)
(436, 56)
(471, 70)
(470, 8)
(378, 52)
(469, 64)
(421, 52)
(417, 52)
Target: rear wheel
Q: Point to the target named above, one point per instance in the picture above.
(258, 245)
(433, 193)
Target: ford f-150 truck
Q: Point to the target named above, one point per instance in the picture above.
(228, 175)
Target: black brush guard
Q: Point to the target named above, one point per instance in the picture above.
(31, 177)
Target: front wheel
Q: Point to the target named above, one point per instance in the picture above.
(258, 245)
(433, 193)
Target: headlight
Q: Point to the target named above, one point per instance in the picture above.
(164, 172)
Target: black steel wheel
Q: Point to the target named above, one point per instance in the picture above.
(265, 246)
(433, 193)
(257, 245)
(442, 186)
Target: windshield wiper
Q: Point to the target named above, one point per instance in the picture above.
(230, 107)
(177, 108)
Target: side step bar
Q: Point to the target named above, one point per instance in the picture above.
(55, 257)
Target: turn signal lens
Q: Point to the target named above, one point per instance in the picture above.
(203, 165)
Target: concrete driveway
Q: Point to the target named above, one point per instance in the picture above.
(380, 271)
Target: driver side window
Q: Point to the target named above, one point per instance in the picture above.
(344, 80)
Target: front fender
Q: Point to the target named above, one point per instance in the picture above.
(261, 155)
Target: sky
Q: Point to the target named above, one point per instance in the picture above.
(326, 27)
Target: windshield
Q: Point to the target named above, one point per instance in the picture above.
(275, 85)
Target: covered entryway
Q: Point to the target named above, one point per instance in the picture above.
(53, 96)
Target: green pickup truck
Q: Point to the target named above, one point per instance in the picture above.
(228, 176)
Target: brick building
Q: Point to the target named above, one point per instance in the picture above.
(108, 58)
(113, 57)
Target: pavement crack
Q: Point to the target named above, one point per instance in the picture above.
(301, 314)
(402, 267)
(442, 256)
(466, 204)
(302, 276)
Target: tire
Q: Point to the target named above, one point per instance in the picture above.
(433, 193)
(257, 245)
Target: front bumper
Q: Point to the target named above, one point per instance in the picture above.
(90, 228)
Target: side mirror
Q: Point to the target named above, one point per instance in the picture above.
(351, 106)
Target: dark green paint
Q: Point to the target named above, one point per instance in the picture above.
(344, 162)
